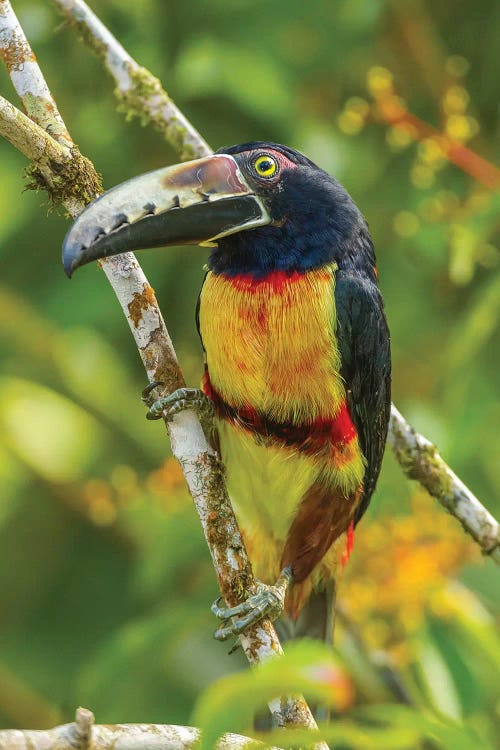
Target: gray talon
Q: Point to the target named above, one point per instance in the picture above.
(217, 611)
(183, 398)
(236, 645)
(268, 601)
(147, 397)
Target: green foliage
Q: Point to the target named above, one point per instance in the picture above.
(105, 579)
(231, 703)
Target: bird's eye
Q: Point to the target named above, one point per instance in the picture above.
(265, 166)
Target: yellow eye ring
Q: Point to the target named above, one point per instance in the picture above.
(265, 165)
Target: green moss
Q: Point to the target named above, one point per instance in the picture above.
(135, 103)
(240, 586)
(221, 530)
(84, 34)
(75, 179)
(145, 87)
(439, 482)
(35, 107)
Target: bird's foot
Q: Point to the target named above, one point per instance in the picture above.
(183, 398)
(268, 601)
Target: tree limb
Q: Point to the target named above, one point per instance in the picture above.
(83, 734)
(139, 92)
(420, 460)
(201, 465)
(29, 138)
(27, 78)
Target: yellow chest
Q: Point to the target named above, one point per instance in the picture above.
(270, 344)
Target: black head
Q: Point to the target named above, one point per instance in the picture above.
(314, 219)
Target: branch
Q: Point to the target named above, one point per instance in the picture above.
(29, 138)
(67, 176)
(138, 91)
(420, 460)
(27, 78)
(201, 465)
(82, 734)
(460, 501)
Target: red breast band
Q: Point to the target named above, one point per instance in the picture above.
(308, 437)
(274, 281)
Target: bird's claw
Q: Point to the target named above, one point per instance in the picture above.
(183, 398)
(147, 397)
(268, 601)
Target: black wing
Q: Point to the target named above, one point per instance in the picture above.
(197, 313)
(364, 344)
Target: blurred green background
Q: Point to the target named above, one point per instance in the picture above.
(105, 581)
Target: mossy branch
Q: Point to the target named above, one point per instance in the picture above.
(67, 176)
(420, 460)
(139, 92)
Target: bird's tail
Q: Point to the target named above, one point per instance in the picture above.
(316, 619)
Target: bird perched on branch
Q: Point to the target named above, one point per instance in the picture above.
(297, 353)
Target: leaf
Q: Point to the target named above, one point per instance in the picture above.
(231, 703)
(448, 733)
(438, 680)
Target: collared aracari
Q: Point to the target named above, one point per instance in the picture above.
(297, 352)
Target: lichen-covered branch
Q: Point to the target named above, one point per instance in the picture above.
(139, 92)
(421, 461)
(29, 138)
(58, 166)
(25, 74)
(67, 176)
(83, 734)
(202, 468)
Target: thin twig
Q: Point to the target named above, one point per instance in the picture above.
(379, 661)
(83, 729)
(395, 113)
(201, 466)
(420, 460)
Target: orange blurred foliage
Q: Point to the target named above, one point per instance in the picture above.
(400, 568)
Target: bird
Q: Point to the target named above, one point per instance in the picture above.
(297, 365)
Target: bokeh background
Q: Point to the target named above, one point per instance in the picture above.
(105, 580)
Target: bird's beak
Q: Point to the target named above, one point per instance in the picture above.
(192, 203)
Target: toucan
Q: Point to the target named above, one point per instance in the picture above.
(297, 354)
